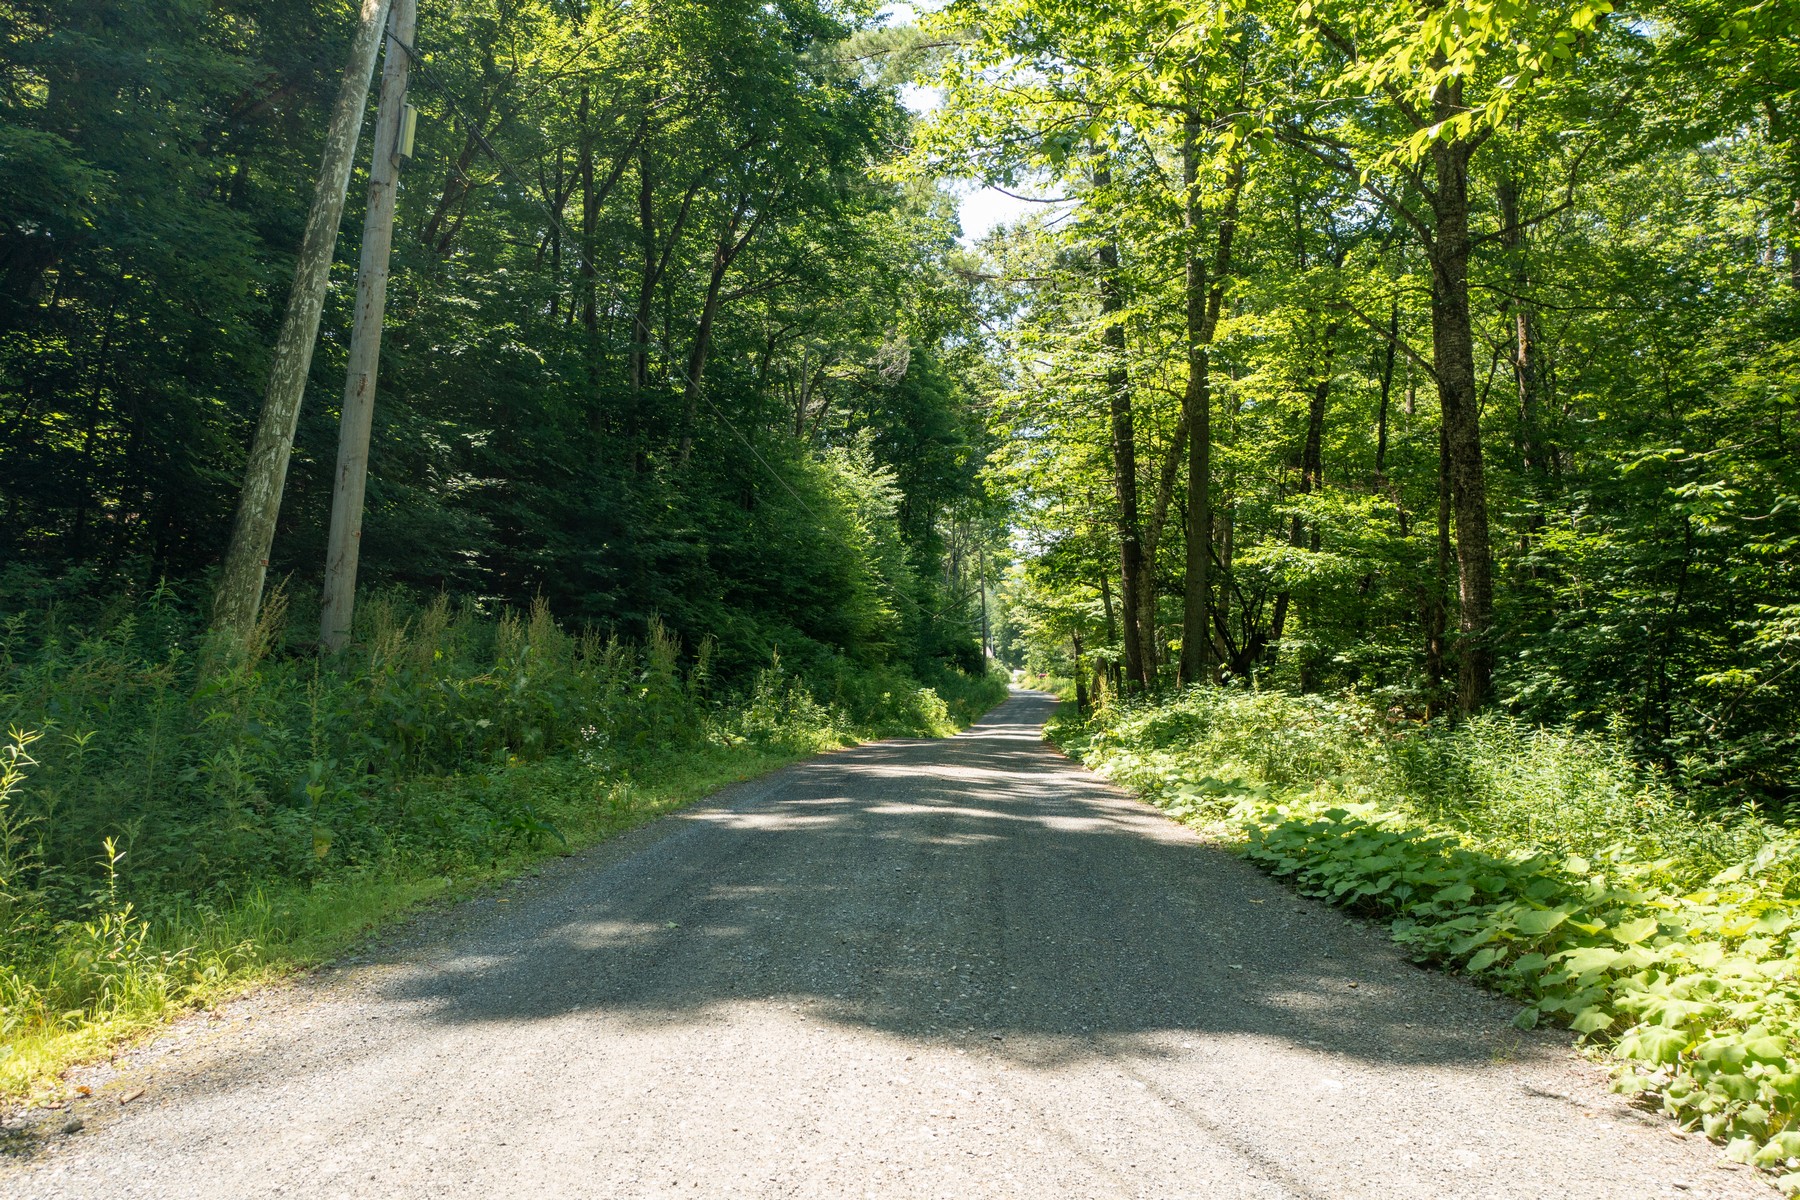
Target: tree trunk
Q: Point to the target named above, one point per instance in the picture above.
(1106, 606)
(1533, 456)
(1387, 391)
(638, 362)
(1312, 456)
(1204, 294)
(1124, 455)
(265, 475)
(1453, 352)
(1196, 407)
(1151, 538)
(1438, 590)
(1112, 625)
(356, 419)
(731, 244)
(1081, 693)
(445, 221)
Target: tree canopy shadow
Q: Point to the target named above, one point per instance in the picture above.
(982, 885)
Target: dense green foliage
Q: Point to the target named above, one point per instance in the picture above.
(169, 825)
(1624, 479)
(1548, 866)
(666, 361)
(1442, 356)
(644, 279)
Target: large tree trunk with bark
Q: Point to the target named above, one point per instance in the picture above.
(1453, 353)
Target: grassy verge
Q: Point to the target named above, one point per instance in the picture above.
(137, 972)
(1544, 864)
(177, 824)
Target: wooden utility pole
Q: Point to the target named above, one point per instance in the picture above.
(265, 475)
(339, 600)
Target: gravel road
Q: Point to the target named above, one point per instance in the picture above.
(962, 968)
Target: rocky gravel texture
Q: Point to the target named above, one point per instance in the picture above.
(962, 968)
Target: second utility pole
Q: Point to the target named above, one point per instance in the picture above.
(339, 599)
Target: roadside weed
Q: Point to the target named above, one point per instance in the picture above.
(1544, 864)
(253, 811)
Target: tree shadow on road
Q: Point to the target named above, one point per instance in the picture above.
(982, 885)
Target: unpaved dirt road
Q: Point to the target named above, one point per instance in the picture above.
(961, 968)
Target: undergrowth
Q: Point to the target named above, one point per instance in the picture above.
(1546, 864)
(177, 821)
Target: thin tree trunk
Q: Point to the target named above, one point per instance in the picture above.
(1124, 454)
(1081, 692)
(1387, 391)
(445, 221)
(1106, 605)
(1512, 237)
(588, 271)
(638, 363)
(1437, 617)
(731, 244)
(1166, 479)
(1153, 529)
(1311, 471)
(265, 475)
(1204, 295)
(1112, 623)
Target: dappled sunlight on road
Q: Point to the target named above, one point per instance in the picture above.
(960, 968)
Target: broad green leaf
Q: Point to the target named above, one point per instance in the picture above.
(1585, 960)
(1590, 1020)
(1538, 922)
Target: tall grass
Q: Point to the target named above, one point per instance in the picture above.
(1500, 782)
(178, 818)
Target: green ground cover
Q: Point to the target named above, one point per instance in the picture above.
(1545, 864)
(178, 824)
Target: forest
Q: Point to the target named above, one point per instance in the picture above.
(1397, 406)
(1423, 378)
(1471, 373)
(675, 468)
